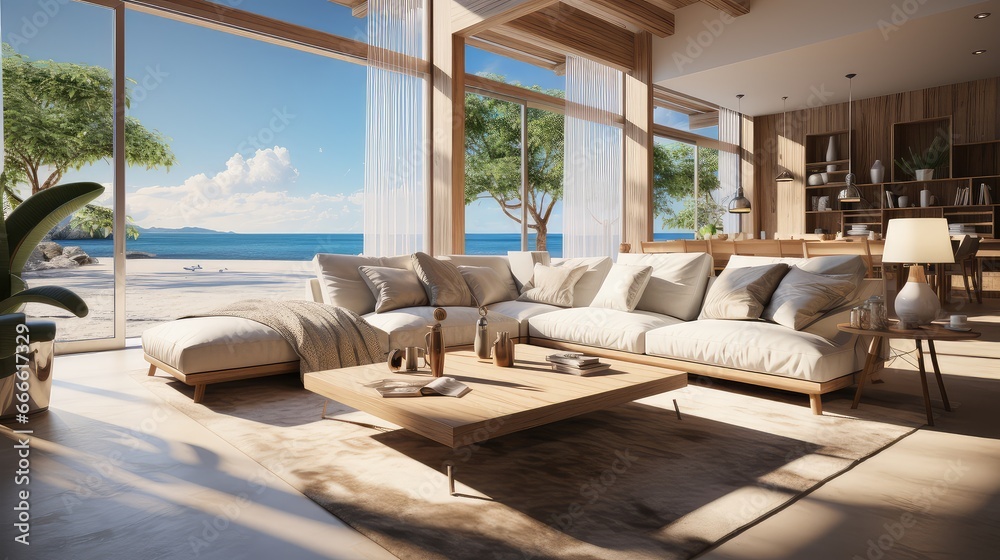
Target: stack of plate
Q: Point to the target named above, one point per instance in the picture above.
(961, 229)
(858, 229)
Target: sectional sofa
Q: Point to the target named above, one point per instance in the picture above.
(649, 308)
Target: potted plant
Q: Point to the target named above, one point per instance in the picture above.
(24, 342)
(707, 231)
(922, 166)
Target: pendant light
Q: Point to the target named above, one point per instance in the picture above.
(785, 176)
(740, 204)
(850, 193)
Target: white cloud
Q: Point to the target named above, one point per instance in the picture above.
(250, 195)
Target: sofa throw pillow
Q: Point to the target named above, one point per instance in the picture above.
(393, 288)
(677, 285)
(801, 297)
(553, 285)
(442, 281)
(623, 287)
(486, 285)
(596, 269)
(742, 293)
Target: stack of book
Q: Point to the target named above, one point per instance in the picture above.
(576, 363)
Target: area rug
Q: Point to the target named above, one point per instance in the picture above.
(631, 482)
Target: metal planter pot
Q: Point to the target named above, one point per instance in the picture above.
(38, 382)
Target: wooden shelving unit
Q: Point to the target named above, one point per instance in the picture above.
(920, 136)
(968, 165)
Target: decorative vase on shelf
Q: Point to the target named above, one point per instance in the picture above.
(815, 180)
(878, 172)
(831, 149)
(925, 174)
(925, 198)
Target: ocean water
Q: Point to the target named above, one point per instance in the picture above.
(296, 246)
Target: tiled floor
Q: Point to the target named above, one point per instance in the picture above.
(117, 473)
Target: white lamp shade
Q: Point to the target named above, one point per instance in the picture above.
(918, 240)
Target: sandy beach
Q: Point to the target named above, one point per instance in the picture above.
(159, 290)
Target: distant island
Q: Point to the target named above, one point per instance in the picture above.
(64, 231)
(178, 230)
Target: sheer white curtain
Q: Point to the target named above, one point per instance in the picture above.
(395, 184)
(593, 180)
(729, 166)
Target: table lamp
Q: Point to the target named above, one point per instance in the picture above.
(917, 241)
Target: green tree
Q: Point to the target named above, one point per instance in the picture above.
(99, 221)
(493, 158)
(673, 181)
(59, 116)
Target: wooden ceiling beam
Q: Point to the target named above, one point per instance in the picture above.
(517, 50)
(671, 5)
(359, 8)
(470, 17)
(640, 13)
(565, 29)
(734, 8)
(255, 26)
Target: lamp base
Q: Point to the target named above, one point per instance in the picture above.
(916, 304)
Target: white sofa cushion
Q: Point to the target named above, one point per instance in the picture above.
(758, 347)
(588, 286)
(407, 327)
(442, 281)
(802, 297)
(499, 264)
(201, 344)
(341, 283)
(552, 285)
(622, 287)
(522, 265)
(393, 288)
(486, 285)
(520, 310)
(603, 328)
(677, 285)
(742, 293)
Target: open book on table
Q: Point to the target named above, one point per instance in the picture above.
(439, 386)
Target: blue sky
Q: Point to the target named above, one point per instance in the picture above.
(268, 139)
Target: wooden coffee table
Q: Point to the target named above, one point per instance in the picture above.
(502, 400)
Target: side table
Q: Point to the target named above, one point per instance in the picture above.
(928, 333)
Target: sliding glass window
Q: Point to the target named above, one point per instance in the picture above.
(510, 101)
(268, 168)
(58, 103)
(245, 157)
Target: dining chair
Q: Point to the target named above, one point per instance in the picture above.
(759, 247)
(672, 246)
(721, 251)
(965, 264)
(845, 247)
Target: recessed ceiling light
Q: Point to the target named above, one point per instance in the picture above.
(980, 51)
(981, 15)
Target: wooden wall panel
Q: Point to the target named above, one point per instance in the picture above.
(975, 118)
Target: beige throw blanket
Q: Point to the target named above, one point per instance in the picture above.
(324, 336)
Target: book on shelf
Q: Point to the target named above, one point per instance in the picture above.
(573, 359)
(984, 194)
(963, 196)
(582, 371)
(439, 386)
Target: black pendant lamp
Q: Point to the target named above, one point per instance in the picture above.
(740, 204)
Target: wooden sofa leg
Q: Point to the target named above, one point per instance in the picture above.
(199, 392)
(152, 370)
(816, 403)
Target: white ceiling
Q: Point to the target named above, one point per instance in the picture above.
(803, 49)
